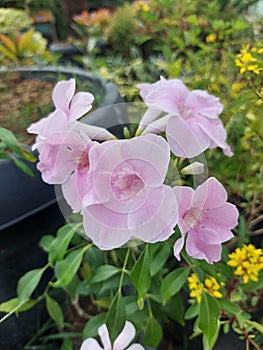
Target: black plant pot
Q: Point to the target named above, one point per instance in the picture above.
(29, 209)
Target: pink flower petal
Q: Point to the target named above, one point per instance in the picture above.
(184, 196)
(135, 347)
(90, 344)
(107, 229)
(149, 116)
(185, 140)
(165, 95)
(211, 194)
(125, 337)
(203, 104)
(157, 213)
(214, 129)
(80, 105)
(104, 336)
(63, 93)
(204, 244)
(178, 246)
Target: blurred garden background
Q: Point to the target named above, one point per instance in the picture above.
(215, 46)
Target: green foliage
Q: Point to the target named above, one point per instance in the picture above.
(13, 20)
(22, 48)
(10, 147)
(122, 33)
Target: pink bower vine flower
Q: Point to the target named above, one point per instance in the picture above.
(207, 218)
(69, 108)
(64, 159)
(121, 343)
(127, 198)
(192, 121)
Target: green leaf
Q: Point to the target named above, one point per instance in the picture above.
(67, 268)
(60, 244)
(91, 328)
(208, 320)
(103, 273)
(116, 316)
(175, 309)
(67, 344)
(192, 311)
(230, 307)
(256, 325)
(173, 282)
(140, 274)
(28, 283)
(45, 242)
(12, 143)
(153, 333)
(20, 164)
(158, 254)
(55, 311)
(13, 305)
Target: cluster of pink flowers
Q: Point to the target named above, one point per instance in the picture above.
(118, 185)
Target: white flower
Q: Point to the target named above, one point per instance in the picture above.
(121, 342)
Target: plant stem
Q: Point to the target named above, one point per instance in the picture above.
(123, 271)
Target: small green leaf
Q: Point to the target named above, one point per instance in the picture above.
(173, 282)
(159, 253)
(230, 307)
(116, 316)
(192, 311)
(175, 309)
(55, 311)
(13, 144)
(67, 344)
(104, 272)
(28, 283)
(21, 165)
(208, 320)
(153, 333)
(13, 304)
(45, 242)
(91, 328)
(60, 244)
(67, 268)
(140, 274)
(256, 325)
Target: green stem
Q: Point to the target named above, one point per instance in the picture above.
(123, 271)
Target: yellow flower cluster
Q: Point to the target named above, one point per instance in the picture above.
(210, 285)
(248, 261)
(246, 61)
(141, 6)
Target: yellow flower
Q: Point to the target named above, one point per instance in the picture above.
(141, 6)
(245, 60)
(211, 38)
(260, 51)
(210, 285)
(248, 261)
(238, 86)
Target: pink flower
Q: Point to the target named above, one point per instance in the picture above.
(74, 106)
(121, 343)
(207, 218)
(127, 197)
(64, 159)
(68, 109)
(192, 124)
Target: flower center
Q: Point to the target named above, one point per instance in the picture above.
(126, 185)
(83, 162)
(192, 217)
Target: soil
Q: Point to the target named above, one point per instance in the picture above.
(23, 102)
